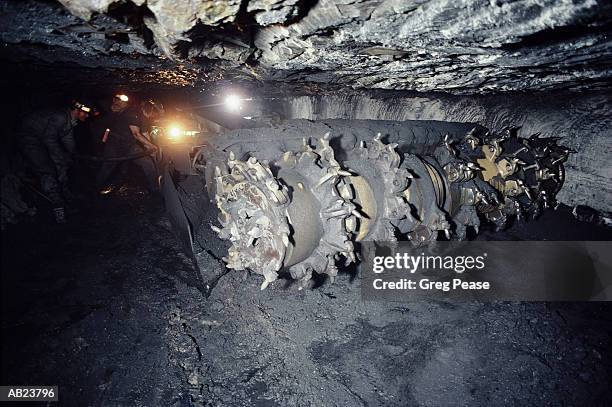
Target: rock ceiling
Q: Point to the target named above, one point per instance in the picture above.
(455, 46)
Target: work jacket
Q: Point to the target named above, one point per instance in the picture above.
(54, 129)
(119, 139)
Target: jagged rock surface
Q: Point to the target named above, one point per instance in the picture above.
(458, 46)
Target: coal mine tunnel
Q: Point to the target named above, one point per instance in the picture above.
(306, 202)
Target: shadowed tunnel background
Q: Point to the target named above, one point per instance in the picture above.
(110, 308)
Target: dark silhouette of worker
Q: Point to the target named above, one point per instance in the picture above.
(123, 135)
(47, 142)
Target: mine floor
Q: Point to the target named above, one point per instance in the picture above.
(109, 309)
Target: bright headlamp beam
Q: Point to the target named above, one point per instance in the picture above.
(175, 132)
(233, 103)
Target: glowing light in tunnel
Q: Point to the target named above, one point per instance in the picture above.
(175, 132)
(233, 103)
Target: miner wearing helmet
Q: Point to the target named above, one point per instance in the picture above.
(47, 142)
(124, 138)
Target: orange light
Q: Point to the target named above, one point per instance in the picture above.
(175, 132)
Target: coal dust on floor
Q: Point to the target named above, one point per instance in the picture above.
(110, 310)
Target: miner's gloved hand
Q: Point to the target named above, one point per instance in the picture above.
(67, 193)
(154, 149)
(62, 177)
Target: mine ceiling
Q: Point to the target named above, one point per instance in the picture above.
(454, 46)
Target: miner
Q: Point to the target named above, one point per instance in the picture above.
(123, 134)
(47, 142)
